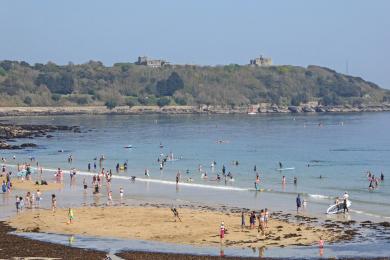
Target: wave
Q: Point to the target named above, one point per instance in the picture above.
(319, 196)
(359, 150)
(368, 214)
(138, 179)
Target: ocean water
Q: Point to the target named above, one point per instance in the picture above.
(339, 148)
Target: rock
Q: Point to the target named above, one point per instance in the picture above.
(28, 145)
(12, 131)
(294, 109)
(320, 109)
(308, 109)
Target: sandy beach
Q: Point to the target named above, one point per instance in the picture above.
(198, 227)
(30, 185)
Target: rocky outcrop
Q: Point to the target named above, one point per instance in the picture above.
(13, 131)
(198, 109)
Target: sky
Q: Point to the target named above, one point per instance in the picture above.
(331, 33)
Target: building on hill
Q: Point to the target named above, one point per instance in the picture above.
(261, 61)
(143, 60)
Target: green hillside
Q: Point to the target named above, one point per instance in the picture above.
(49, 84)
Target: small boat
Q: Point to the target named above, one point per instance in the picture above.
(338, 208)
(252, 113)
(128, 146)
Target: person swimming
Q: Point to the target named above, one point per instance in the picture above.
(280, 165)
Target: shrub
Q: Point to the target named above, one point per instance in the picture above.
(164, 101)
(130, 102)
(56, 97)
(27, 100)
(110, 104)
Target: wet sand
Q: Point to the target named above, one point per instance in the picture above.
(198, 227)
(12, 246)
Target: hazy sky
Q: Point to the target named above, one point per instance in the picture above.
(298, 32)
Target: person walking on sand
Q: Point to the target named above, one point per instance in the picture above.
(266, 217)
(222, 232)
(261, 222)
(175, 214)
(298, 202)
(70, 216)
(53, 202)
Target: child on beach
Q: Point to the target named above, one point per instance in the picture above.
(121, 192)
(321, 243)
(70, 215)
(222, 231)
(17, 203)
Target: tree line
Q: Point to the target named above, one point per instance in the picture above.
(93, 83)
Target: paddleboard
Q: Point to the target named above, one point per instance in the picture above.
(285, 169)
(334, 210)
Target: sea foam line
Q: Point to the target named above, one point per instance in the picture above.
(205, 186)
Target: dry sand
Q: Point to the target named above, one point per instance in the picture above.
(198, 227)
(29, 185)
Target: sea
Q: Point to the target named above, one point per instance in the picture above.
(328, 154)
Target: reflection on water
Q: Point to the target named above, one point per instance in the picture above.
(116, 245)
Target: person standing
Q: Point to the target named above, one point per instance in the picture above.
(298, 202)
(242, 220)
(53, 202)
(70, 215)
(177, 177)
(345, 205)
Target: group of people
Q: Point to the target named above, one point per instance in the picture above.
(374, 181)
(262, 217)
(342, 204)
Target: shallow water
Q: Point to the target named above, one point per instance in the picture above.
(341, 151)
(113, 246)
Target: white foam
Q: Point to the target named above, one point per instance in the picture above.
(368, 214)
(150, 180)
(319, 196)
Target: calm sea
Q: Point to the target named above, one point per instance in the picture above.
(330, 154)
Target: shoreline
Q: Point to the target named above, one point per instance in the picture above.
(13, 246)
(261, 109)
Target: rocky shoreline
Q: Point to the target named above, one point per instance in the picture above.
(264, 108)
(10, 132)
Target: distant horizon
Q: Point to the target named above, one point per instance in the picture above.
(346, 36)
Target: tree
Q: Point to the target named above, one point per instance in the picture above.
(169, 86)
(27, 100)
(110, 104)
(61, 84)
(163, 101)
